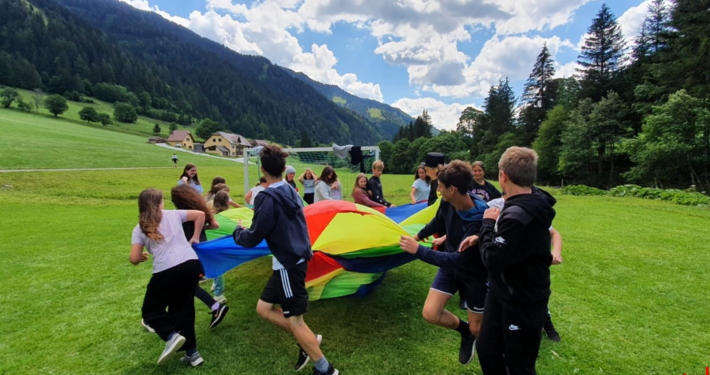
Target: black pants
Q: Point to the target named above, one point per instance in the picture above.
(205, 297)
(308, 197)
(169, 302)
(510, 337)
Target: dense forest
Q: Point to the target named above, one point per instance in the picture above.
(110, 50)
(635, 113)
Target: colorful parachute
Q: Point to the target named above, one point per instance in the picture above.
(354, 246)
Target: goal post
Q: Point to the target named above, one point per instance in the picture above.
(314, 158)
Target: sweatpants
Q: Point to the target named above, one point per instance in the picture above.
(169, 304)
(510, 337)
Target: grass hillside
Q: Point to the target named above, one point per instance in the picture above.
(30, 141)
(630, 297)
(144, 125)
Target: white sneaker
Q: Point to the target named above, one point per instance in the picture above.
(171, 346)
(221, 299)
(194, 360)
(147, 327)
(213, 286)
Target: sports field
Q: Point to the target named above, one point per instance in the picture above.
(630, 298)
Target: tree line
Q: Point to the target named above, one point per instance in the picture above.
(637, 113)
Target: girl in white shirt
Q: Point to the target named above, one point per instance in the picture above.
(168, 306)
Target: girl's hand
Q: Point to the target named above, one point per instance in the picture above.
(144, 257)
(195, 240)
(414, 201)
(184, 180)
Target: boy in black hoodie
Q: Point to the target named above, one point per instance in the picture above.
(278, 218)
(459, 215)
(516, 251)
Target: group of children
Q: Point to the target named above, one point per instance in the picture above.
(496, 258)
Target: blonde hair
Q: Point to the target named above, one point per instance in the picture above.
(378, 165)
(520, 164)
(150, 215)
(357, 186)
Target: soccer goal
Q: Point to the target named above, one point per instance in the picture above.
(315, 159)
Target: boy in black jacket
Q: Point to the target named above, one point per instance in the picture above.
(278, 218)
(374, 185)
(516, 251)
(460, 215)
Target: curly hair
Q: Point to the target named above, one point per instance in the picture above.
(186, 198)
(150, 215)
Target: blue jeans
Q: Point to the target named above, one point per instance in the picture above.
(219, 285)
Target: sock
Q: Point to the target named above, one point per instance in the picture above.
(463, 328)
(215, 306)
(190, 352)
(322, 365)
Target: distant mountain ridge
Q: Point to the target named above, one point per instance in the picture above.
(387, 117)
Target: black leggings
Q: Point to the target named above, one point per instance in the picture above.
(173, 290)
(205, 297)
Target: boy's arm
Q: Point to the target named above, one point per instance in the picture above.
(556, 239)
(436, 225)
(499, 249)
(261, 226)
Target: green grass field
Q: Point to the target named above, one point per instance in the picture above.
(144, 125)
(629, 298)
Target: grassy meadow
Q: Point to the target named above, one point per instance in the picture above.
(629, 298)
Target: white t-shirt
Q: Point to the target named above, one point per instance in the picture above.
(423, 189)
(254, 192)
(174, 249)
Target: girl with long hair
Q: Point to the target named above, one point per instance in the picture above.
(185, 198)
(327, 182)
(216, 188)
(189, 177)
(480, 186)
(360, 195)
(421, 186)
(168, 305)
(308, 179)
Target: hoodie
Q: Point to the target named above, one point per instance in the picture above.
(516, 248)
(278, 218)
(456, 225)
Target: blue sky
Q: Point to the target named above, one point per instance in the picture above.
(438, 55)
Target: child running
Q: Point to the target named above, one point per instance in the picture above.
(459, 215)
(168, 305)
(278, 218)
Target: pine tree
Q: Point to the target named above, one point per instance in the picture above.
(156, 129)
(602, 54)
(539, 94)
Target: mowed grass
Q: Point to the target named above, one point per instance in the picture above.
(630, 297)
(143, 126)
(29, 141)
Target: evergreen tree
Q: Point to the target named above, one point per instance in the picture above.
(305, 141)
(548, 144)
(156, 129)
(56, 104)
(538, 94)
(602, 55)
(173, 127)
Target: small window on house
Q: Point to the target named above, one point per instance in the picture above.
(219, 139)
(214, 139)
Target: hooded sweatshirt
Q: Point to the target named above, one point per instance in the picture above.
(516, 249)
(456, 225)
(279, 219)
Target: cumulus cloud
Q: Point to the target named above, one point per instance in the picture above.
(443, 116)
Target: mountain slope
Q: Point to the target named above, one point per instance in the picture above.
(62, 50)
(386, 117)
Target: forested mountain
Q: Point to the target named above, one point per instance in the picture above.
(388, 118)
(71, 46)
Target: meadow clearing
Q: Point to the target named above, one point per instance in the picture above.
(630, 297)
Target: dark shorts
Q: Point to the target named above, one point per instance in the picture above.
(473, 292)
(288, 289)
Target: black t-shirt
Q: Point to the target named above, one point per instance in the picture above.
(189, 228)
(486, 191)
(432, 192)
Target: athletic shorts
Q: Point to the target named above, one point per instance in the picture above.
(287, 287)
(473, 292)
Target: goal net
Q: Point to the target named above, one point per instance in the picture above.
(315, 159)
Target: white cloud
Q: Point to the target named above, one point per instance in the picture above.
(567, 70)
(443, 115)
(632, 20)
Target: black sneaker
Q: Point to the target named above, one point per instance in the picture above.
(466, 351)
(550, 330)
(331, 371)
(303, 357)
(218, 315)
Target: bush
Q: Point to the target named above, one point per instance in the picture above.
(23, 105)
(104, 119)
(125, 112)
(582, 190)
